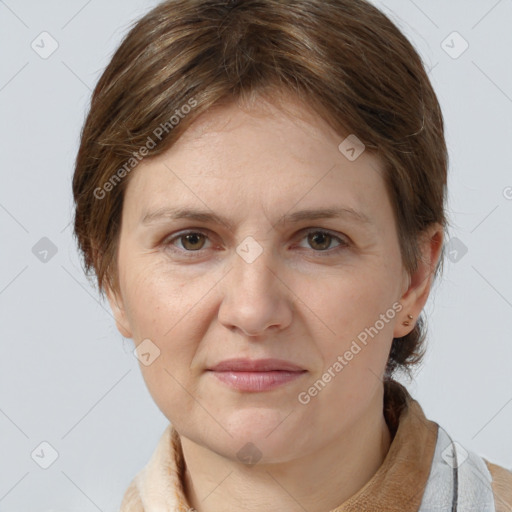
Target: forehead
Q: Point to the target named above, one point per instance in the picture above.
(258, 159)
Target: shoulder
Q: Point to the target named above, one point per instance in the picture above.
(501, 486)
(145, 482)
(455, 472)
(131, 500)
(158, 485)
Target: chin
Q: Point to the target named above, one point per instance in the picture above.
(262, 433)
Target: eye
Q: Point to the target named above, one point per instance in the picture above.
(190, 241)
(321, 240)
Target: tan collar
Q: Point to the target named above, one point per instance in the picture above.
(397, 485)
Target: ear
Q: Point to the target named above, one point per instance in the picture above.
(417, 287)
(118, 310)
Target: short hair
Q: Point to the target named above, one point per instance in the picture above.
(343, 58)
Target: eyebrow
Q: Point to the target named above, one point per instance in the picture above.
(205, 216)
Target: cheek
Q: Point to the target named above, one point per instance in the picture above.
(157, 299)
(347, 304)
(169, 310)
(358, 310)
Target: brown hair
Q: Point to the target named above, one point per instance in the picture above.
(343, 58)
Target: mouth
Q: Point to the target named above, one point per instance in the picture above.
(256, 375)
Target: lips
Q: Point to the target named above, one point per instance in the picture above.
(256, 375)
(257, 365)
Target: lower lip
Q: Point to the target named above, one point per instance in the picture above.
(256, 381)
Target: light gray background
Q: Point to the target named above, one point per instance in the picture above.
(68, 378)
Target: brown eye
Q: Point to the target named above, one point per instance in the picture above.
(192, 241)
(320, 239)
(188, 244)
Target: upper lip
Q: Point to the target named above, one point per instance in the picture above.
(256, 365)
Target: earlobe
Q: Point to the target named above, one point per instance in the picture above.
(420, 282)
(117, 307)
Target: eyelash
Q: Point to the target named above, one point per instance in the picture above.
(343, 243)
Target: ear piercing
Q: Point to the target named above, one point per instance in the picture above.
(406, 322)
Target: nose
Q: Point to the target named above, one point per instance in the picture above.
(255, 298)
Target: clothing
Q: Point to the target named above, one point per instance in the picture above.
(423, 471)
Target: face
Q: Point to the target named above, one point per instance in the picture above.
(255, 239)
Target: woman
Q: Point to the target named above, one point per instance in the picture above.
(260, 189)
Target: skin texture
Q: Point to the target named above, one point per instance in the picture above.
(295, 301)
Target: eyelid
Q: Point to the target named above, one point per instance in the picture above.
(343, 240)
(168, 240)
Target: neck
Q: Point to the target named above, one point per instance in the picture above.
(213, 482)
